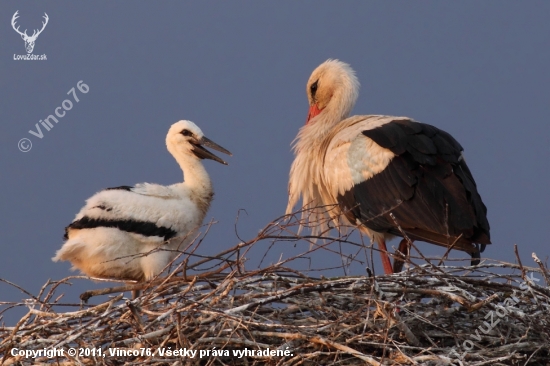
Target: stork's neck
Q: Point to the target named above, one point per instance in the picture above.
(336, 111)
(310, 146)
(196, 179)
(313, 134)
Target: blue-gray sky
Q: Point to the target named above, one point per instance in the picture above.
(479, 70)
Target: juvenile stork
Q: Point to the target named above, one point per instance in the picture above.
(375, 167)
(132, 233)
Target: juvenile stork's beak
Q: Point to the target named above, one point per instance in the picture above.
(202, 153)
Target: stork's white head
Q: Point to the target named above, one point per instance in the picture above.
(333, 87)
(185, 138)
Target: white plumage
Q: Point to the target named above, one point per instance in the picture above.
(132, 233)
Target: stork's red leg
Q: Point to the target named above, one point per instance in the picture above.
(385, 257)
(405, 249)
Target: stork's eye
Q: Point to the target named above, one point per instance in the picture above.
(186, 133)
(313, 87)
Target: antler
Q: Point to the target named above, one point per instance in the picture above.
(15, 16)
(43, 26)
(34, 34)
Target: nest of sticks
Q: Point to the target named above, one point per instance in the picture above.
(212, 310)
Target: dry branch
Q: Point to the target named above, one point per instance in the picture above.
(496, 315)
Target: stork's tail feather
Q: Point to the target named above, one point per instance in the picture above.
(69, 251)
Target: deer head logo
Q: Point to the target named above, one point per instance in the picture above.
(29, 40)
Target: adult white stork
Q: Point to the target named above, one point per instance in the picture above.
(132, 233)
(375, 167)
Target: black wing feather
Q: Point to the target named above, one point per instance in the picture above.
(132, 226)
(122, 188)
(427, 186)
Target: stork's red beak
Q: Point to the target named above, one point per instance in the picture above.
(313, 111)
